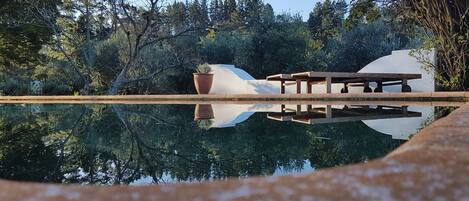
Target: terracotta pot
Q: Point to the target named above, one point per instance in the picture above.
(203, 82)
(203, 112)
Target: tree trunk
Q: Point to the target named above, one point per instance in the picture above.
(117, 84)
(86, 88)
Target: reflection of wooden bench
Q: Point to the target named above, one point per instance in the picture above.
(347, 114)
(348, 79)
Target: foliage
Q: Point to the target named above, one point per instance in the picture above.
(447, 21)
(95, 50)
(203, 68)
(21, 37)
(205, 124)
(362, 11)
(53, 87)
(325, 21)
(23, 149)
(13, 87)
(361, 45)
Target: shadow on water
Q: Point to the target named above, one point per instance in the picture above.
(141, 144)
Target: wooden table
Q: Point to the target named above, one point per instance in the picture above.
(348, 79)
(347, 114)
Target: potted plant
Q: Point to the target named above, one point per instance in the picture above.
(205, 124)
(203, 79)
(203, 115)
(203, 111)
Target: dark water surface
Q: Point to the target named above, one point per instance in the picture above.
(149, 144)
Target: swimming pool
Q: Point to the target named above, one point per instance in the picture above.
(154, 144)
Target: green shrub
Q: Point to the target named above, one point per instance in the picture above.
(56, 88)
(13, 87)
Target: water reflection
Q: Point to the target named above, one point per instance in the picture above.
(380, 118)
(139, 144)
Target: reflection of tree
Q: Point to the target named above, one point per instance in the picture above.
(344, 143)
(122, 143)
(23, 155)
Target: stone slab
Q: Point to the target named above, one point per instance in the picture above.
(434, 96)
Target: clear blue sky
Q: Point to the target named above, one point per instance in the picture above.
(303, 7)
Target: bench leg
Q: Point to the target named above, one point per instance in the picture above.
(366, 88)
(329, 111)
(298, 86)
(328, 85)
(310, 87)
(405, 109)
(379, 88)
(345, 89)
(282, 87)
(405, 87)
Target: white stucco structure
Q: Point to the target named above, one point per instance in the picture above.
(231, 80)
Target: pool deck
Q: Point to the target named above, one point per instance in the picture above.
(433, 165)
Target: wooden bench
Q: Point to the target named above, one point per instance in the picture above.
(348, 79)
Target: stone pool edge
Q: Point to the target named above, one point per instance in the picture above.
(417, 96)
(432, 165)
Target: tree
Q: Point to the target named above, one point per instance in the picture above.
(21, 37)
(448, 22)
(76, 26)
(230, 9)
(179, 18)
(143, 27)
(196, 15)
(325, 21)
(205, 12)
(362, 11)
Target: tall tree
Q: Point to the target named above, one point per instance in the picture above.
(230, 8)
(178, 15)
(362, 11)
(326, 19)
(205, 12)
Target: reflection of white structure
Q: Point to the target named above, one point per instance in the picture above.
(229, 115)
(402, 128)
(231, 80)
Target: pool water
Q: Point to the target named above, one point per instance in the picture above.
(154, 144)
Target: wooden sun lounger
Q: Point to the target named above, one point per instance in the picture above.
(348, 79)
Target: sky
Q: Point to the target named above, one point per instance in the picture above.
(303, 7)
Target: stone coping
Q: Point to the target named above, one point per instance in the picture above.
(433, 165)
(427, 96)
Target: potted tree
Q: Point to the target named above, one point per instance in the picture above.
(203, 111)
(203, 79)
